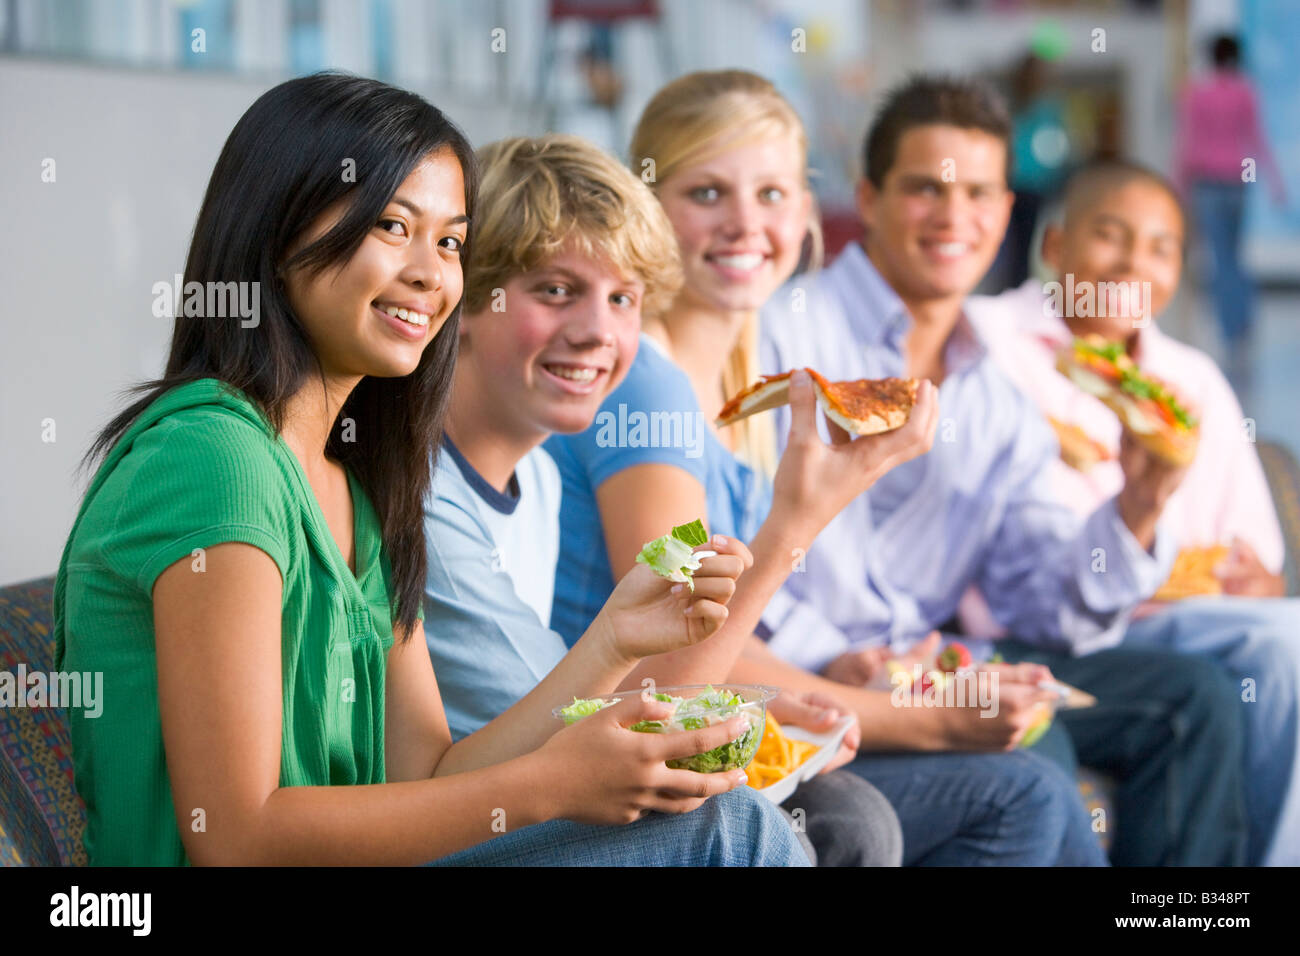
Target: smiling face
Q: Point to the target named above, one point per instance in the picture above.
(935, 223)
(1132, 233)
(375, 313)
(564, 342)
(740, 217)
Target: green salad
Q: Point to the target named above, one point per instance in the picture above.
(709, 708)
(671, 556)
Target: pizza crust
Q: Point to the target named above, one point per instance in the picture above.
(773, 391)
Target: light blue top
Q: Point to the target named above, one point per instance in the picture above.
(488, 552)
(651, 418)
(977, 508)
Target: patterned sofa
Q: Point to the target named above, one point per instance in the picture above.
(42, 818)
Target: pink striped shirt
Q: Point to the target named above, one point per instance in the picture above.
(1224, 493)
(1218, 128)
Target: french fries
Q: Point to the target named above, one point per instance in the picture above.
(1193, 574)
(777, 756)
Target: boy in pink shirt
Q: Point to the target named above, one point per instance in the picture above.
(1118, 255)
(1220, 139)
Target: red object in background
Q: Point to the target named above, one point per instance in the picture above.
(954, 657)
(839, 228)
(602, 11)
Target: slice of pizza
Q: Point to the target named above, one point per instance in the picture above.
(867, 406)
(1079, 450)
(1148, 408)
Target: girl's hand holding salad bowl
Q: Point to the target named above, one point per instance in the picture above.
(622, 775)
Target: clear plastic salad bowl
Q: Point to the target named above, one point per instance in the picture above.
(698, 705)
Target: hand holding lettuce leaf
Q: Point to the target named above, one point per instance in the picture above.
(673, 597)
(672, 556)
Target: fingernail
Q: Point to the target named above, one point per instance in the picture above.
(676, 589)
(719, 540)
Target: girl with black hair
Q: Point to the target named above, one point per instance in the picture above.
(247, 565)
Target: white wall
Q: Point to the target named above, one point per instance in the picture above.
(79, 256)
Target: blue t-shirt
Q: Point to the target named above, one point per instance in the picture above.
(651, 418)
(489, 553)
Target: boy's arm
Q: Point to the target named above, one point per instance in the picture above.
(1052, 580)
(500, 670)
(884, 726)
(631, 511)
(501, 666)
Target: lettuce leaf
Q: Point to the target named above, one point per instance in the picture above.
(671, 556)
(693, 533)
(582, 708)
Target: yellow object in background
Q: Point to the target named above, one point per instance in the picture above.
(777, 756)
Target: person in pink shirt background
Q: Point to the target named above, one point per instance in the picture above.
(1219, 129)
(1123, 229)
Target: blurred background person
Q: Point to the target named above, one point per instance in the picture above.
(1220, 142)
(1040, 148)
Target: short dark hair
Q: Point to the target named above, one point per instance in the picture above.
(1225, 50)
(928, 99)
(1104, 175)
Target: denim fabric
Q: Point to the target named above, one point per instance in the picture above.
(738, 828)
(1219, 207)
(1256, 639)
(1168, 728)
(994, 809)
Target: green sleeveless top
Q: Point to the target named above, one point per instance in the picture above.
(199, 467)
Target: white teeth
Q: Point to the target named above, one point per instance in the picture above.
(746, 262)
(573, 374)
(406, 315)
(952, 248)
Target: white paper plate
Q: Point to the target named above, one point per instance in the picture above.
(828, 745)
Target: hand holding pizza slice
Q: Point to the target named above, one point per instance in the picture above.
(894, 421)
(863, 407)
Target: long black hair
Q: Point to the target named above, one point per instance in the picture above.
(284, 163)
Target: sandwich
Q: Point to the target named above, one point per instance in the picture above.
(1146, 406)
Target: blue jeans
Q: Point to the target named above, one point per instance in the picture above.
(737, 828)
(1167, 727)
(985, 809)
(1256, 639)
(1218, 207)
